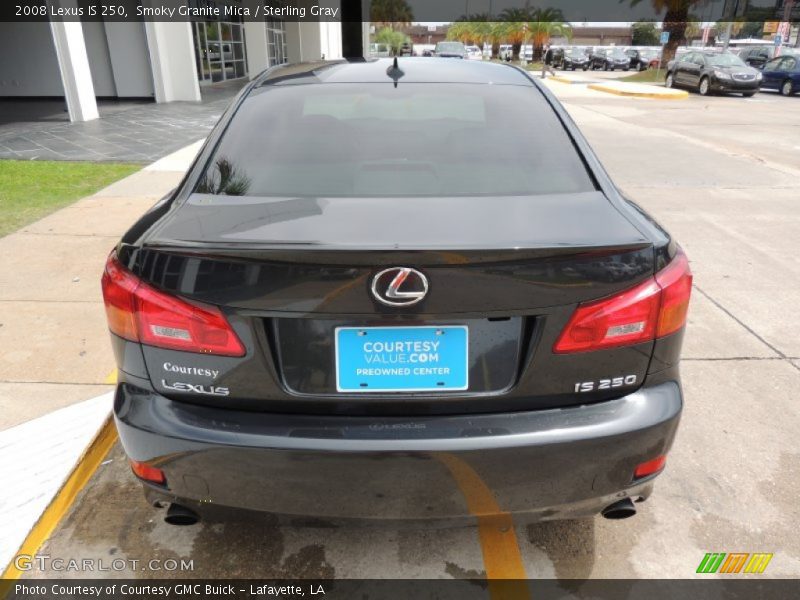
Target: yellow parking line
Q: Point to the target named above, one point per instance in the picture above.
(501, 555)
(60, 505)
(111, 378)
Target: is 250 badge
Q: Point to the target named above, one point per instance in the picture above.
(582, 387)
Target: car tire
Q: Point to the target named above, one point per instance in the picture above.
(585, 68)
(626, 68)
(704, 87)
(787, 89)
(669, 81)
(605, 66)
(748, 94)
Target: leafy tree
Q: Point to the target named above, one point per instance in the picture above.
(691, 32)
(675, 19)
(477, 29)
(393, 39)
(532, 25)
(644, 33)
(385, 12)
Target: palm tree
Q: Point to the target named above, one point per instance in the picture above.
(674, 21)
(461, 31)
(389, 12)
(536, 25)
(393, 39)
(548, 22)
(691, 32)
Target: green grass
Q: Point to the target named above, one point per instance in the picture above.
(648, 76)
(29, 190)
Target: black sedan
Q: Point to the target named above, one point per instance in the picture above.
(610, 59)
(318, 322)
(641, 58)
(571, 58)
(708, 72)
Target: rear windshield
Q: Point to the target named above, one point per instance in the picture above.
(370, 140)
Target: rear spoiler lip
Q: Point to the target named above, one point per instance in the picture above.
(318, 254)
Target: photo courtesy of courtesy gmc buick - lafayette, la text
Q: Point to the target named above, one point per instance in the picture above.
(340, 305)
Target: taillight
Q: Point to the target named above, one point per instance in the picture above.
(653, 309)
(141, 313)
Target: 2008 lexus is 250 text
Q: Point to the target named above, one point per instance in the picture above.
(381, 277)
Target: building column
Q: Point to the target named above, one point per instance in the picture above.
(76, 75)
(331, 39)
(172, 59)
(255, 41)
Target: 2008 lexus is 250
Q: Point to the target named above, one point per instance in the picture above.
(382, 279)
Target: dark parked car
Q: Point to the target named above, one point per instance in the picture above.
(572, 58)
(782, 74)
(756, 56)
(450, 50)
(611, 59)
(317, 322)
(709, 72)
(642, 58)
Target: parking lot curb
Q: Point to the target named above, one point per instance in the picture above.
(619, 90)
(83, 470)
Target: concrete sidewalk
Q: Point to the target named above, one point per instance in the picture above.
(52, 322)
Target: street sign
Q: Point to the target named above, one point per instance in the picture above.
(664, 37)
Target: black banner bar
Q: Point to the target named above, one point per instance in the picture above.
(352, 11)
(735, 587)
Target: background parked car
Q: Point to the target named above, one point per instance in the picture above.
(505, 52)
(641, 58)
(571, 58)
(709, 71)
(610, 59)
(526, 52)
(782, 74)
(757, 56)
(450, 50)
(474, 53)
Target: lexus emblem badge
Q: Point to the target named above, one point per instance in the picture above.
(399, 286)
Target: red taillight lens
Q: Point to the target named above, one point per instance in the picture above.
(148, 473)
(628, 318)
(650, 467)
(119, 286)
(139, 312)
(675, 281)
(654, 308)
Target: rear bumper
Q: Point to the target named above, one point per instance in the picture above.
(549, 464)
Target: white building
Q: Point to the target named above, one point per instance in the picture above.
(165, 61)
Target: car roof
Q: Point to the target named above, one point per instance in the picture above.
(412, 70)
